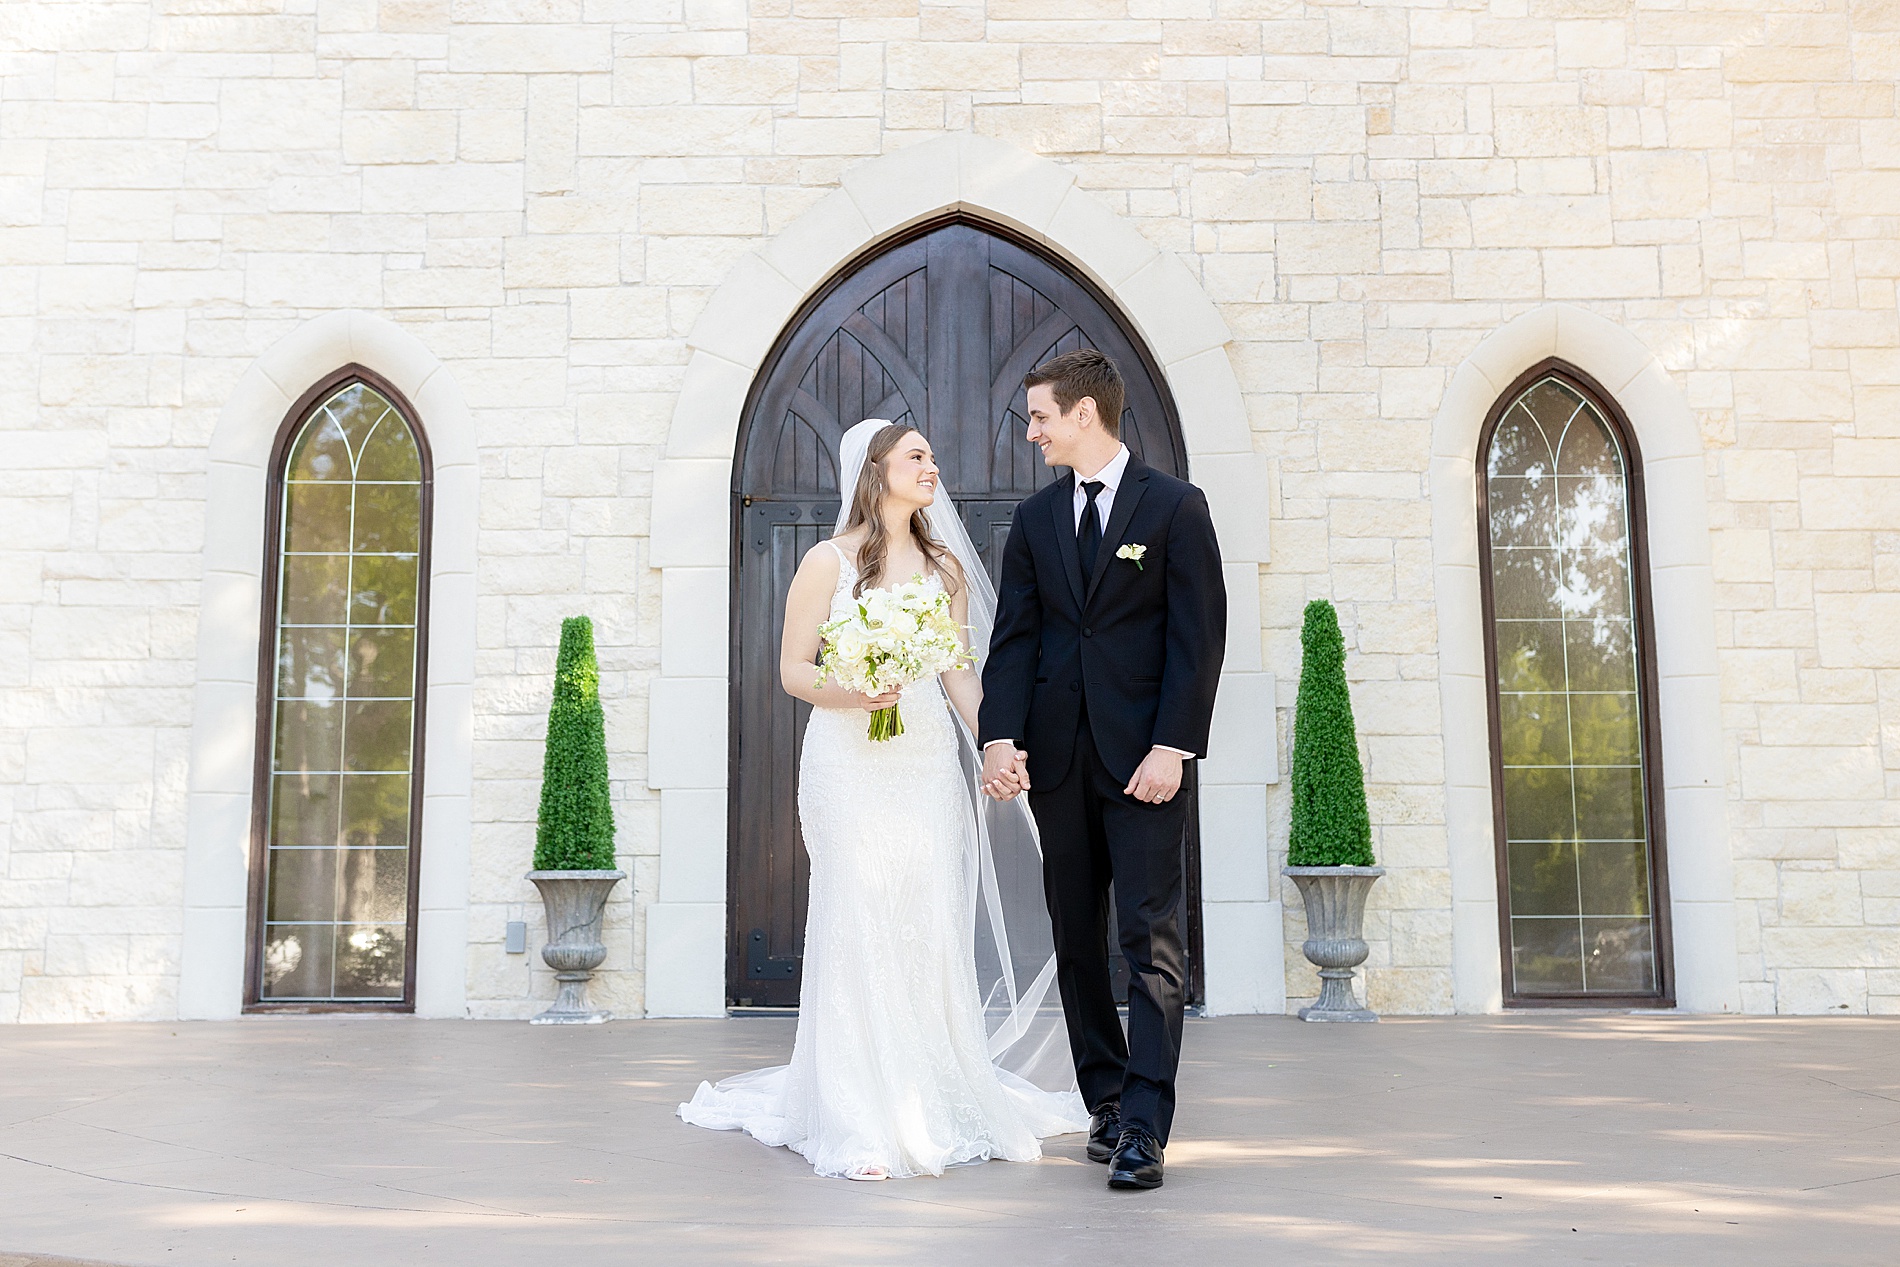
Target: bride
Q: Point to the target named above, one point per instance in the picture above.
(921, 1036)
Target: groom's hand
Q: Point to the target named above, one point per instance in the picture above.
(1157, 778)
(1005, 771)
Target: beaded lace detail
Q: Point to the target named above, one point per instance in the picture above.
(890, 1067)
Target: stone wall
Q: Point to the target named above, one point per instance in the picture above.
(545, 193)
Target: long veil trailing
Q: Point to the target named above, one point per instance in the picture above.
(1015, 947)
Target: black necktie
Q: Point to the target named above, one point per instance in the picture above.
(1088, 533)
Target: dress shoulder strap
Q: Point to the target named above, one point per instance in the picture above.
(846, 568)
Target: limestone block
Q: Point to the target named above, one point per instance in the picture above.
(460, 189)
(1794, 395)
(693, 621)
(1010, 182)
(526, 48)
(701, 209)
(1501, 357)
(667, 132)
(1858, 630)
(1043, 128)
(686, 745)
(845, 136)
(562, 260)
(1236, 484)
(686, 959)
(1207, 394)
(580, 471)
(91, 633)
(1541, 220)
(1246, 967)
(120, 215)
(443, 288)
(748, 80)
(746, 313)
(1242, 579)
(1845, 502)
(379, 85)
(1815, 992)
(311, 279)
(946, 66)
(1274, 194)
(1820, 898)
(1596, 273)
(1298, 129)
(1761, 475)
(693, 845)
(1551, 131)
(1243, 744)
(1839, 772)
(809, 248)
(1236, 855)
(441, 963)
(1174, 315)
(1496, 274)
(1328, 248)
(399, 136)
(275, 115)
(1104, 243)
(1592, 43)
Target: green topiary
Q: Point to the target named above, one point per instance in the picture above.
(1331, 827)
(576, 828)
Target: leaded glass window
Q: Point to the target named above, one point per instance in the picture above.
(337, 895)
(1580, 876)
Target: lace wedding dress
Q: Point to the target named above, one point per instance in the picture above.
(891, 1067)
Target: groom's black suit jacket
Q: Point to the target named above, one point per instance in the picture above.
(1142, 644)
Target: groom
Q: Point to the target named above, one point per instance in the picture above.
(1111, 619)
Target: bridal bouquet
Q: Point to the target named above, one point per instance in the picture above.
(895, 636)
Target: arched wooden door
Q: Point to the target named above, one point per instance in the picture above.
(937, 330)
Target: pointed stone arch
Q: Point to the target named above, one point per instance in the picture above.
(224, 725)
(691, 539)
(1689, 696)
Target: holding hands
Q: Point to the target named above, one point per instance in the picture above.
(1005, 771)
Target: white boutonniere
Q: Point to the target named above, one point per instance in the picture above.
(1134, 554)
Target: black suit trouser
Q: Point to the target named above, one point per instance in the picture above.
(1091, 835)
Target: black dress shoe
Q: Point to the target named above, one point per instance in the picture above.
(1136, 1163)
(1105, 1131)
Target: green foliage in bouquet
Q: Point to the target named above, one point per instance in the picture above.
(1331, 827)
(576, 827)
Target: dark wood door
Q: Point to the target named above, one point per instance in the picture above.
(937, 331)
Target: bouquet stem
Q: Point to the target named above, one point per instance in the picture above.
(886, 724)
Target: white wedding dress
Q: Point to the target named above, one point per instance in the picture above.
(891, 1067)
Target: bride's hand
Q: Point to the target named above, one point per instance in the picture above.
(878, 703)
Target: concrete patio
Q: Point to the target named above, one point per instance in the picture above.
(1524, 1138)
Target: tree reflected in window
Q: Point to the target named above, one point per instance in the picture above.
(1569, 703)
(336, 895)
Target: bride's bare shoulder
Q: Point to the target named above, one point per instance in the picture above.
(826, 559)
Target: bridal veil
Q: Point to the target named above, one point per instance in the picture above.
(1015, 947)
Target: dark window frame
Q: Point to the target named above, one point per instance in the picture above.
(272, 576)
(1649, 704)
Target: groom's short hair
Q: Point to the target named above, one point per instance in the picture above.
(1083, 372)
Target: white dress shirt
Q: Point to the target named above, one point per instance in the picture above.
(1110, 478)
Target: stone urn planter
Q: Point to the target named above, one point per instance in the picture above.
(1329, 844)
(574, 835)
(1335, 935)
(575, 902)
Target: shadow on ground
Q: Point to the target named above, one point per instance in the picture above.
(1560, 1138)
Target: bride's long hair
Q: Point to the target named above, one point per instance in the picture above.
(867, 508)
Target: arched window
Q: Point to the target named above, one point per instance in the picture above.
(1581, 882)
(338, 800)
